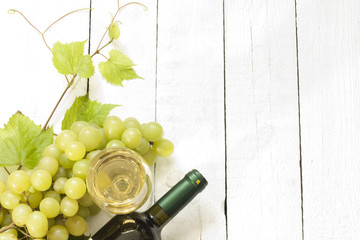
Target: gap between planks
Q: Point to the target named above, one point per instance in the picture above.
(299, 120)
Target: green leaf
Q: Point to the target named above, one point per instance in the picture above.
(117, 68)
(85, 68)
(69, 58)
(86, 110)
(22, 142)
(42, 141)
(114, 31)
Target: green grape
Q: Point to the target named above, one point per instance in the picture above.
(20, 214)
(163, 147)
(2, 215)
(149, 157)
(76, 225)
(114, 31)
(58, 232)
(131, 122)
(69, 207)
(113, 128)
(65, 137)
(103, 141)
(9, 200)
(80, 168)
(92, 154)
(50, 207)
(18, 182)
(29, 172)
(7, 236)
(83, 212)
(94, 209)
(51, 222)
(52, 151)
(34, 199)
(142, 127)
(7, 218)
(94, 125)
(131, 137)
(41, 180)
(152, 131)
(115, 143)
(86, 200)
(60, 220)
(143, 147)
(78, 126)
(2, 186)
(59, 185)
(75, 151)
(54, 195)
(49, 164)
(65, 162)
(37, 224)
(90, 137)
(75, 187)
(12, 231)
(23, 196)
(70, 173)
(61, 172)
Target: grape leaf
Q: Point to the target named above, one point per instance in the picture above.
(85, 109)
(22, 142)
(69, 58)
(117, 68)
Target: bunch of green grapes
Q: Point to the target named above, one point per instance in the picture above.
(52, 200)
(48, 201)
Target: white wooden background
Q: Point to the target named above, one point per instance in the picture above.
(263, 97)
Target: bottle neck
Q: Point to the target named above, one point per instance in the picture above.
(169, 205)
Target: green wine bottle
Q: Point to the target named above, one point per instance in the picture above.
(148, 225)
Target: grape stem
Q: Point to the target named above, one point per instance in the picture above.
(20, 166)
(112, 20)
(58, 102)
(12, 11)
(3, 229)
(25, 234)
(7, 170)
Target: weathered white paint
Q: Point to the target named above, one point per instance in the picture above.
(264, 200)
(190, 106)
(329, 48)
(179, 51)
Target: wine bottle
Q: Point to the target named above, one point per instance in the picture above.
(148, 225)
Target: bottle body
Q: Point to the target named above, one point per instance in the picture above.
(133, 226)
(148, 225)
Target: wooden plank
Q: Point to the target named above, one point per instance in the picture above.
(190, 106)
(329, 50)
(30, 83)
(138, 41)
(264, 193)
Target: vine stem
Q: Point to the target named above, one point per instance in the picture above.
(112, 20)
(58, 102)
(7, 170)
(98, 51)
(25, 234)
(3, 229)
(12, 11)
